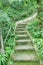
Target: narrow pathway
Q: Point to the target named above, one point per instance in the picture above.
(25, 53)
(24, 50)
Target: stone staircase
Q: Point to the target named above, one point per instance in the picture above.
(24, 49)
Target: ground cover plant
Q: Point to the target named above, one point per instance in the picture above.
(36, 28)
(7, 35)
(37, 34)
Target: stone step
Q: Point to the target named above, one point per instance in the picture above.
(24, 47)
(20, 29)
(19, 38)
(26, 63)
(21, 32)
(21, 25)
(22, 37)
(23, 43)
(24, 40)
(25, 52)
(25, 57)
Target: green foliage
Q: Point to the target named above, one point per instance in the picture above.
(2, 59)
(18, 10)
(5, 23)
(39, 43)
(11, 11)
(36, 30)
(4, 17)
(24, 8)
(40, 10)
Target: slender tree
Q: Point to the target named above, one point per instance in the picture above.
(40, 11)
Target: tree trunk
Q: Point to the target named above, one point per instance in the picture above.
(39, 9)
(7, 35)
(40, 13)
(1, 42)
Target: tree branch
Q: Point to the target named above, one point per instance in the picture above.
(7, 34)
(1, 42)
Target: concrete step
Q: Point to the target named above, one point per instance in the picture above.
(19, 38)
(24, 43)
(24, 47)
(25, 52)
(26, 63)
(21, 25)
(21, 32)
(22, 37)
(24, 40)
(20, 29)
(25, 57)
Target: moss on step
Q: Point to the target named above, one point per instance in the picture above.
(26, 63)
(18, 38)
(25, 52)
(23, 43)
(24, 33)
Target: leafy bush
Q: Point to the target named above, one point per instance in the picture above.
(2, 59)
(36, 30)
(39, 43)
(7, 26)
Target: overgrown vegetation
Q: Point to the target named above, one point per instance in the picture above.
(37, 34)
(10, 12)
(36, 29)
(7, 35)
